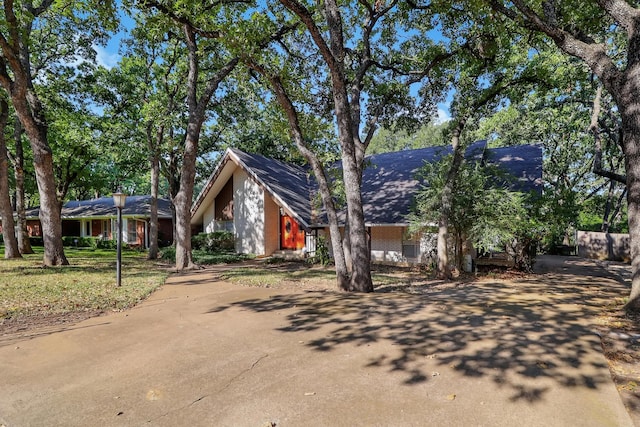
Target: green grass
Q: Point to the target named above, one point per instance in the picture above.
(271, 276)
(87, 284)
(276, 272)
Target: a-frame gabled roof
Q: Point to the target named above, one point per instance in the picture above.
(289, 185)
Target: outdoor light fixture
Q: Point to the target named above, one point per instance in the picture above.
(119, 200)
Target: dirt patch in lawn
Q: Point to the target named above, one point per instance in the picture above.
(25, 327)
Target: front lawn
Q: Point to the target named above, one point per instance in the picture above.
(27, 288)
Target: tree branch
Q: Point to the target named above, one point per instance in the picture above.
(593, 127)
(308, 21)
(37, 11)
(180, 19)
(625, 14)
(594, 54)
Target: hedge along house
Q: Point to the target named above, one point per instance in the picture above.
(98, 218)
(269, 205)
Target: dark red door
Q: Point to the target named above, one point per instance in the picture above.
(291, 237)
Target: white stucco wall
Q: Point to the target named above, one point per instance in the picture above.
(248, 214)
(208, 218)
(386, 245)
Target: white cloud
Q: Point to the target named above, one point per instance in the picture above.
(106, 58)
(443, 116)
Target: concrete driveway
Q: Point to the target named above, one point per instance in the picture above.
(204, 352)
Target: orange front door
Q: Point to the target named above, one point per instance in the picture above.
(291, 237)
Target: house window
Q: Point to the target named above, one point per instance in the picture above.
(223, 226)
(410, 245)
(87, 229)
(105, 229)
(132, 235)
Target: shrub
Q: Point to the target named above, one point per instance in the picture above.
(106, 244)
(208, 258)
(79, 242)
(218, 241)
(322, 255)
(36, 241)
(168, 253)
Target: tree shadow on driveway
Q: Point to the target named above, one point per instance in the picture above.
(526, 336)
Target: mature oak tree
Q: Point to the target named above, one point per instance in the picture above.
(17, 160)
(6, 212)
(201, 84)
(17, 79)
(597, 32)
(358, 66)
(36, 37)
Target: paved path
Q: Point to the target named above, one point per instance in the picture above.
(204, 352)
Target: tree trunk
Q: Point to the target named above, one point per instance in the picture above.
(359, 245)
(197, 112)
(155, 178)
(8, 224)
(443, 270)
(50, 218)
(607, 207)
(631, 146)
(24, 244)
(346, 245)
(183, 199)
(333, 52)
(342, 273)
(16, 79)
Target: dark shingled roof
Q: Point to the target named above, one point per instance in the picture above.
(289, 183)
(389, 181)
(103, 207)
(522, 162)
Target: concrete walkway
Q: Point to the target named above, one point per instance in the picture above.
(201, 352)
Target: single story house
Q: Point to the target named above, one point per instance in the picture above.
(272, 208)
(98, 218)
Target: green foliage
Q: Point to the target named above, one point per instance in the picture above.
(205, 257)
(218, 241)
(80, 242)
(391, 140)
(106, 244)
(89, 242)
(322, 255)
(36, 241)
(484, 209)
(168, 253)
(209, 248)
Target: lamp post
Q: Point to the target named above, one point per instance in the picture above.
(119, 199)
